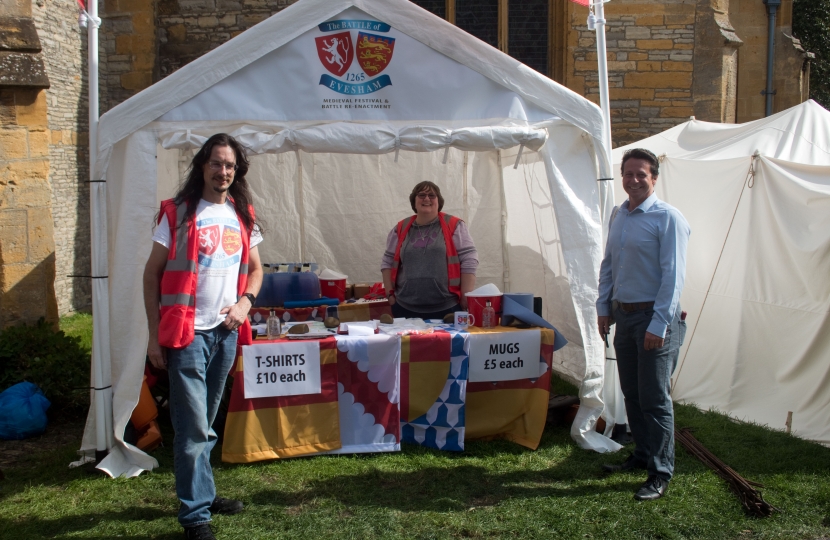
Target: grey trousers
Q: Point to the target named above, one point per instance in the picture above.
(645, 379)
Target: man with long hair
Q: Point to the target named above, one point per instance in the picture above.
(200, 281)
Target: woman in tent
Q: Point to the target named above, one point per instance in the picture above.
(430, 260)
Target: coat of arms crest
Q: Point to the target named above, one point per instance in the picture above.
(374, 52)
(336, 52)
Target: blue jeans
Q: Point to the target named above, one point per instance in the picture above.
(197, 379)
(645, 379)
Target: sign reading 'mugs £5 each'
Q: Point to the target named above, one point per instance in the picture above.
(505, 356)
(281, 369)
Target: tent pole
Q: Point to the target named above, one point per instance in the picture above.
(602, 59)
(103, 401)
(505, 254)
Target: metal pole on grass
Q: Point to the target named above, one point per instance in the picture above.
(97, 209)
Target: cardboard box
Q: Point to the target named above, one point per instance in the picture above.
(349, 291)
(361, 289)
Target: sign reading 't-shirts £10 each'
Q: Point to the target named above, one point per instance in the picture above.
(281, 369)
(505, 356)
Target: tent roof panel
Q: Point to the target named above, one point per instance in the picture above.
(299, 81)
(533, 91)
(800, 134)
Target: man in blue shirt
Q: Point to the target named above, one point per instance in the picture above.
(642, 274)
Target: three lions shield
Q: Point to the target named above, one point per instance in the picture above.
(231, 241)
(374, 52)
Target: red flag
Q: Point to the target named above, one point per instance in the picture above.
(82, 4)
(580, 2)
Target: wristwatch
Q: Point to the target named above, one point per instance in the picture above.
(250, 297)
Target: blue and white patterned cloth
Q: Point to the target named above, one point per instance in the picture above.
(442, 427)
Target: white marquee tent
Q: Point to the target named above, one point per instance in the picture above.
(757, 198)
(336, 144)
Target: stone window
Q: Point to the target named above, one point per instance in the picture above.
(517, 27)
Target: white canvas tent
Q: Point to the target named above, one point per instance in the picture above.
(757, 198)
(334, 155)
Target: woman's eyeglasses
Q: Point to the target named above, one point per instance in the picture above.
(218, 166)
(423, 196)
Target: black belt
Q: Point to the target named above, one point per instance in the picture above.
(636, 306)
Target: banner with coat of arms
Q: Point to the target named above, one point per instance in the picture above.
(337, 52)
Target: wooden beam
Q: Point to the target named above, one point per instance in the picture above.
(503, 25)
(557, 39)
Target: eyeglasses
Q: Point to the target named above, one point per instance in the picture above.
(431, 196)
(218, 166)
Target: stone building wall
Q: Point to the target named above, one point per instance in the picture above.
(128, 49)
(653, 74)
(190, 28)
(65, 55)
(790, 71)
(27, 247)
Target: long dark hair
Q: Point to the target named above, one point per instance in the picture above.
(191, 191)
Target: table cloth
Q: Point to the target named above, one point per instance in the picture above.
(379, 390)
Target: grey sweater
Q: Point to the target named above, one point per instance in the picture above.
(422, 283)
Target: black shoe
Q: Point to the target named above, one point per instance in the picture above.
(654, 488)
(199, 532)
(630, 464)
(227, 507)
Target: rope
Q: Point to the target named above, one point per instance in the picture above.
(750, 177)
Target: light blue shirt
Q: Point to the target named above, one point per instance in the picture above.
(645, 260)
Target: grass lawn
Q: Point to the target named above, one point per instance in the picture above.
(79, 325)
(493, 489)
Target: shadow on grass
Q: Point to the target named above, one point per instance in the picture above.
(33, 527)
(753, 451)
(439, 489)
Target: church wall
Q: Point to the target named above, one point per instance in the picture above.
(66, 103)
(667, 61)
(129, 48)
(190, 28)
(789, 76)
(27, 247)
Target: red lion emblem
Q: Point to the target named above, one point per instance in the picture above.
(208, 239)
(336, 52)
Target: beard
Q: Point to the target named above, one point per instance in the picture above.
(224, 187)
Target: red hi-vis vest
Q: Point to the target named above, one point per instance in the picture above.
(448, 226)
(178, 283)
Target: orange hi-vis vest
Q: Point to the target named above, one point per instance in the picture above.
(448, 225)
(178, 283)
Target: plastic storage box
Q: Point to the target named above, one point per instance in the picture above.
(284, 287)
